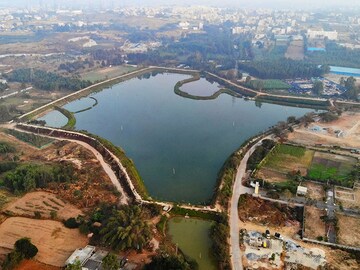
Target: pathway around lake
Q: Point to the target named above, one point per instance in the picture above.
(115, 180)
(238, 189)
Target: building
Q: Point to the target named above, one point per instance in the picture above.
(81, 254)
(301, 191)
(321, 34)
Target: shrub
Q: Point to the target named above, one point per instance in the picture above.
(71, 223)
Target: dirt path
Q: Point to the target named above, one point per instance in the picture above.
(238, 189)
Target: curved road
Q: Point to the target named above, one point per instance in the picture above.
(238, 189)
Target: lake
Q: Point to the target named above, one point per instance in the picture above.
(192, 237)
(177, 144)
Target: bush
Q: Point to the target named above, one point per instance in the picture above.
(25, 247)
(53, 214)
(71, 223)
(37, 215)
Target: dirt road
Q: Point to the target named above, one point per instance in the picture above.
(238, 189)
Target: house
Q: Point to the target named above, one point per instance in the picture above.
(301, 191)
(81, 254)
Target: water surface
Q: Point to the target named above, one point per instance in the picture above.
(200, 88)
(192, 237)
(178, 144)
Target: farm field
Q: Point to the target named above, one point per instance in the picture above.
(104, 73)
(314, 225)
(345, 235)
(315, 165)
(284, 159)
(332, 167)
(45, 203)
(54, 241)
(271, 84)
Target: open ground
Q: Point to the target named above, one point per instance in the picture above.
(348, 198)
(348, 123)
(314, 225)
(348, 230)
(44, 203)
(54, 241)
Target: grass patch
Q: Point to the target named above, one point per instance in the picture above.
(179, 211)
(161, 225)
(269, 84)
(69, 115)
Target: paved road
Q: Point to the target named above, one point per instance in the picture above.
(238, 189)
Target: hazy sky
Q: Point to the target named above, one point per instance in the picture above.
(305, 4)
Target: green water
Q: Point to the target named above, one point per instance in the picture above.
(177, 144)
(192, 237)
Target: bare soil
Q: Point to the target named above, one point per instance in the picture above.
(44, 202)
(348, 198)
(314, 226)
(264, 212)
(55, 242)
(348, 122)
(31, 265)
(315, 191)
(349, 230)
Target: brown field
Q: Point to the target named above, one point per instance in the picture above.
(43, 202)
(31, 265)
(296, 50)
(315, 191)
(314, 226)
(349, 230)
(349, 123)
(54, 241)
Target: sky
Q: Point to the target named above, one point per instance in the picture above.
(275, 4)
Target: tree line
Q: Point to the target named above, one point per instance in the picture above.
(46, 80)
(26, 177)
(283, 69)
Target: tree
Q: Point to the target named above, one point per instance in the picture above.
(171, 262)
(110, 262)
(318, 88)
(126, 229)
(25, 247)
(291, 119)
(74, 266)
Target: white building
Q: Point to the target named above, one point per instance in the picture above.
(321, 34)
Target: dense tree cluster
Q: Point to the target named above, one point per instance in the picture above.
(219, 234)
(5, 113)
(76, 65)
(336, 55)
(259, 153)
(23, 249)
(108, 56)
(170, 262)
(30, 176)
(3, 87)
(352, 90)
(126, 229)
(282, 69)
(47, 80)
(6, 148)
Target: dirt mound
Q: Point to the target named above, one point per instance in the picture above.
(264, 212)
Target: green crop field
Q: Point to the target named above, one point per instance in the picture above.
(271, 84)
(333, 168)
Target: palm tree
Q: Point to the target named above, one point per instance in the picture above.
(126, 229)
